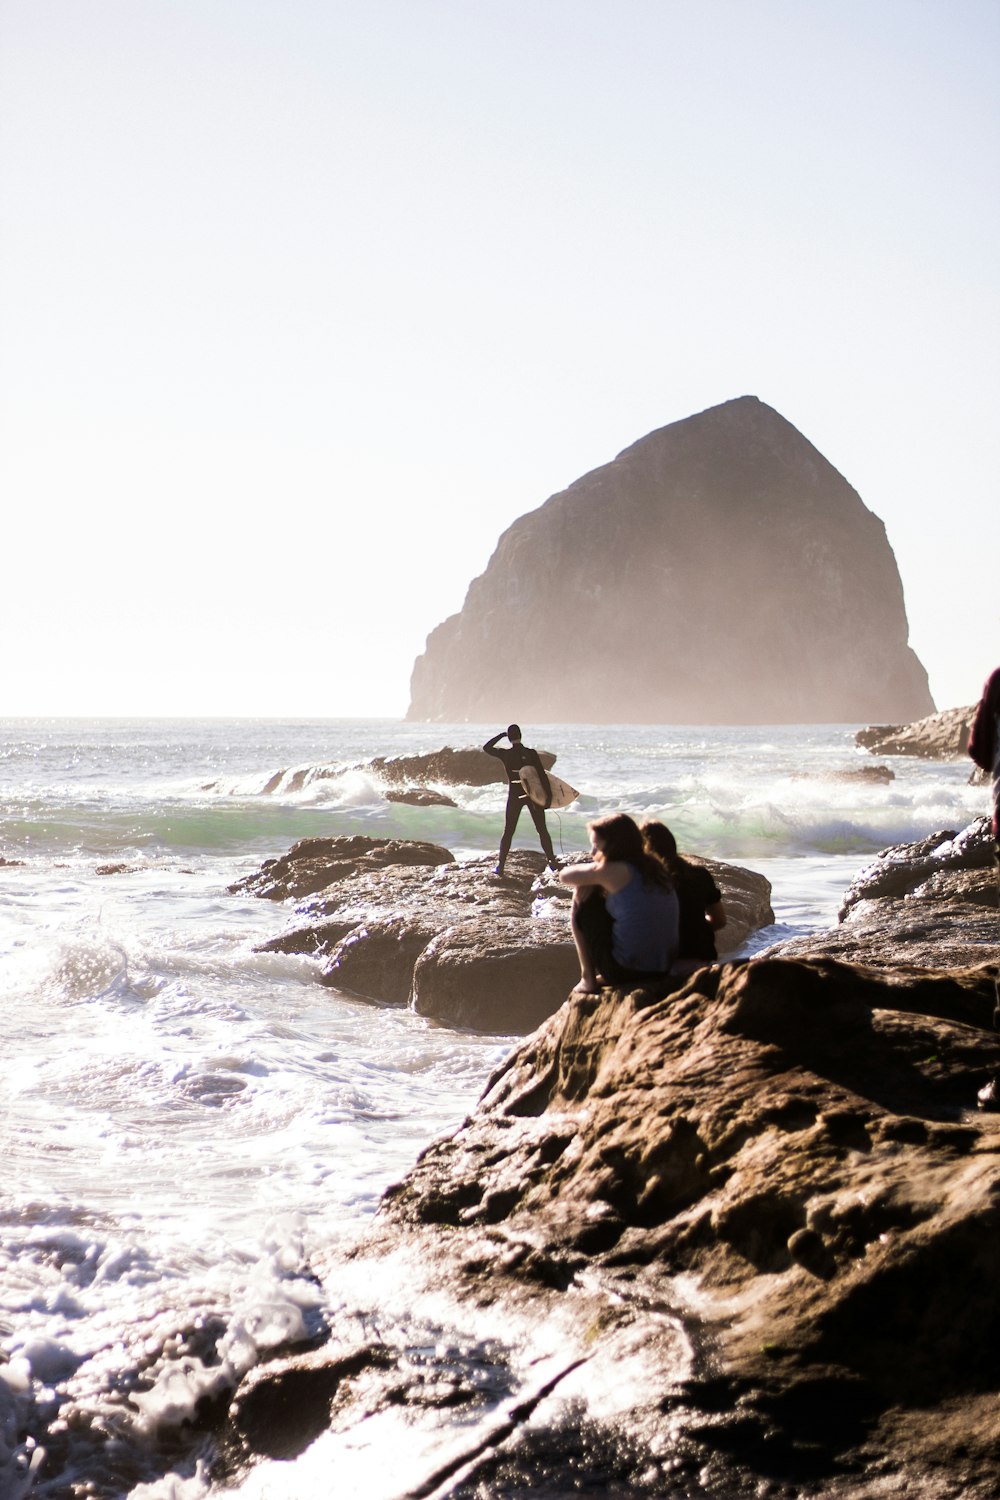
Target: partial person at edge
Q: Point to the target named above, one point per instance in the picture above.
(984, 748)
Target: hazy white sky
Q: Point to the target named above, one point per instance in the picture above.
(304, 301)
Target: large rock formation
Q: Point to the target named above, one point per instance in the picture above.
(403, 922)
(943, 736)
(930, 904)
(718, 571)
(740, 1242)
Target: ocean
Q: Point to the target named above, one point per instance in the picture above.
(184, 1119)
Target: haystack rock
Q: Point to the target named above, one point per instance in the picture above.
(719, 571)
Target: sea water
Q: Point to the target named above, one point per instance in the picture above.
(185, 1119)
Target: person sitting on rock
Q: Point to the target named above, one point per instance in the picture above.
(699, 899)
(513, 759)
(984, 747)
(625, 913)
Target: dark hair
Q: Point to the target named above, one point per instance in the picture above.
(513, 731)
(660, 841)
(620, 839)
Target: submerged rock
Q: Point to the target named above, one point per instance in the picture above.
(421, 796)
(739, 1241)
(873, 775)
(727, 531)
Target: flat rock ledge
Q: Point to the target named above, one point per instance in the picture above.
(404, 923)
(943, 736)
(740, 1241)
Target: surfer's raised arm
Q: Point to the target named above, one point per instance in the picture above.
(491, 745)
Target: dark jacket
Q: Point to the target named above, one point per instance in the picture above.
(984, 739)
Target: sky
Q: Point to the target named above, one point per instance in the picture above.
(303, 302)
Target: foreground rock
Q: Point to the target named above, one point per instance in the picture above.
(728, 531)
(405, 923)
(931, 904)
(739, 1242)
(943, 736)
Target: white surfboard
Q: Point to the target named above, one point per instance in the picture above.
(562, 793)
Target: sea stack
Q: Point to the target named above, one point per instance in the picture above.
(718, 571)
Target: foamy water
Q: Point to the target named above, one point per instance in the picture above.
(184, 1119)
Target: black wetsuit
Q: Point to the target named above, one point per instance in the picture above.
(513, 759)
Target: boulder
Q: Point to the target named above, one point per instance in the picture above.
(496, 974)
(943, 736)
(421, 796)
(738, 1241)
(468, 767)
(903, 869)
(735, 576)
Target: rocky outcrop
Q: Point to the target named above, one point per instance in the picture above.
(943, 736)
(467, 767)
(421, 796)
(930, 904)
(403, 923)
(720, 570)
(313, 864)
(872, 775)
(740, 1241)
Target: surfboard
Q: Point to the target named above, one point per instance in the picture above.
(562, 793)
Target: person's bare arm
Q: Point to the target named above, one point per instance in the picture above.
(612, 875)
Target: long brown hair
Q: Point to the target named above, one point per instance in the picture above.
(621, 840)
(661, 842)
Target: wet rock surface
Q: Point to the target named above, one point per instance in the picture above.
(736, 1241)
(401, 924)
(313, 864)
(932, 903)
(943, 736)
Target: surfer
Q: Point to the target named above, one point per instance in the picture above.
(984, 748)
(513, 759)
(625, 912)
(702, 913)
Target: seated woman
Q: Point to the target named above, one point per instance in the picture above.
(702, 913)
(625, 913)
